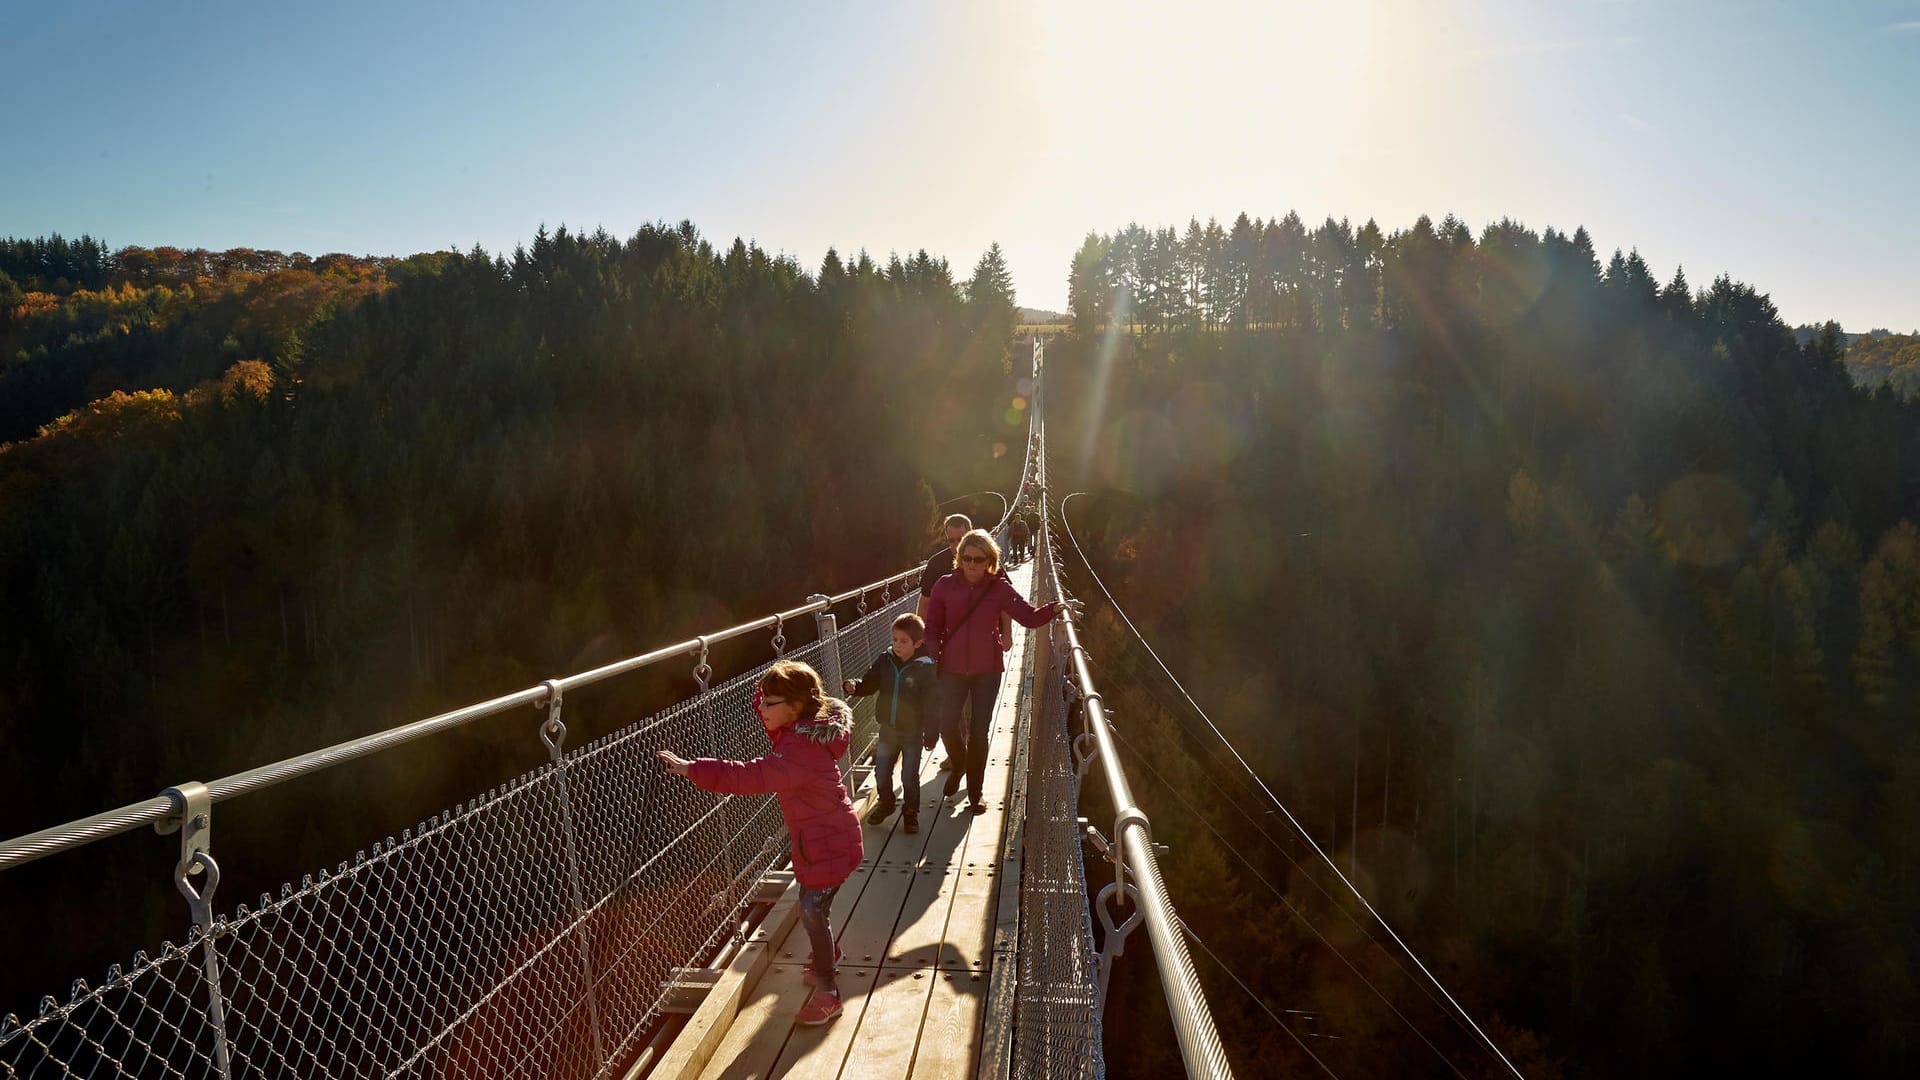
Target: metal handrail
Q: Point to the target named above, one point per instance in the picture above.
(1193, 1027)
(38, 845)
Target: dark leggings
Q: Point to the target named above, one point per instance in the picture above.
(968, 727)
(815, 904)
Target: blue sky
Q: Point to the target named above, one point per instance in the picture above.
(1776, 142)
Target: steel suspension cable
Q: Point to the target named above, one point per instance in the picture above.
(1324, 1067)
(1288, 904)
(1335, 902)
(1295, 822)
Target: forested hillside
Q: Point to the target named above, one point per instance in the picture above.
(256, 505)
(1577, 615)
(78, 322)
(1891, 360)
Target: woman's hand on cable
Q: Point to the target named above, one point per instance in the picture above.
(676, 765)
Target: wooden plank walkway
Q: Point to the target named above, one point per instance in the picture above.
(916, 922)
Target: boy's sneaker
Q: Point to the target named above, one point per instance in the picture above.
(953, 783)
(820, 1008)
(978, 807)
(910, 822)
(807, 974)
(879, 813)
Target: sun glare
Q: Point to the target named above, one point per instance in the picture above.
(1253, 72)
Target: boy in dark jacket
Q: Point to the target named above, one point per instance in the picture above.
(903, 676)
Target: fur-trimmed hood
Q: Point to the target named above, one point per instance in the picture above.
(832, 728)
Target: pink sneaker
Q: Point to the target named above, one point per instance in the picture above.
(820, 1008)
(810, 977)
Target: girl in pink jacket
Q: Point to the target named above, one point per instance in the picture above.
(810, 732)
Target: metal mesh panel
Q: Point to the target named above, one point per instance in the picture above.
(860, 641)
(527, 933)
(1056, 1009)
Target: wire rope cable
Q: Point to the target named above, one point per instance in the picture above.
(1337, 904)
(1324, 1067)
(1282, 897)
(1311, 842)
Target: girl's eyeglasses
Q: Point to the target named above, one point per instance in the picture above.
(978, 559)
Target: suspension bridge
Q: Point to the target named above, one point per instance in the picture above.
(596, 918)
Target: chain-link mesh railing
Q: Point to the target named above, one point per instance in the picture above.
(530, 932)
(1056, 1005)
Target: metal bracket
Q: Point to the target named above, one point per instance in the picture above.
(553, 731)
(702, 671)
(1092, 836)
(192, 818)
(779, 635)
(1131, 816)
(1086, 747)
(1114, 941)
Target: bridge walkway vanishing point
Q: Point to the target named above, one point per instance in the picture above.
(917, 924)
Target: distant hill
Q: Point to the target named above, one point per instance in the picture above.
(1040, 315)
(1885, 358)
(1806, 332)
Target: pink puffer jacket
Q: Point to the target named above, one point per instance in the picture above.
(803, 772)
(973, 647)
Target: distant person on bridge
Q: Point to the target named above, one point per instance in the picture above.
(810, 732)
(939, 566)
(963, 634)
(1021, 540)
(903, 676)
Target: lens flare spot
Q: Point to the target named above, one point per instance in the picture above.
(999, 450)
(1020, 402)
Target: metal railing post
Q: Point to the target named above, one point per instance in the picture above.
(192, 817)
(829, 632)
(553, 732)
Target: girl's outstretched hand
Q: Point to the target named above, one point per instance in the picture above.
(675, 764)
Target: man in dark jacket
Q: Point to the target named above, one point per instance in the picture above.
(903, 676)
(941, 564)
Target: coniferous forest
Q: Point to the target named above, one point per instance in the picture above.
(1575, 613)
(256, 504)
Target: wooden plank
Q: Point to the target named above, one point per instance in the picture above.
(888, 846)
(870, 926)
(947, 829)
(816, 1053)
(759, 1033)
(982, 850)
(889, 1034)
(969, 938)
(993, 784)
(950, 1038)
(919, 936)
(996, 1044)
(708, 1027)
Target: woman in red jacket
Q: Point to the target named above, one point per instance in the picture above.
(810, 732)
(963, 634)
